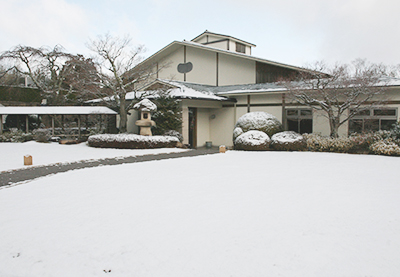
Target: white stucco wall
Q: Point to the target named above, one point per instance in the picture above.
(204, 66)
(235, 71)
(222, 122)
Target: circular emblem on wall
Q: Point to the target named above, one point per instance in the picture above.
(185, 67)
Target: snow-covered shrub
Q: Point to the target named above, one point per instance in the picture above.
(363, 141)
(318, 143)
(252, 140)
(260, 121)
(173, 133)
(288, 141)
(132, 141)
(237, 132)
(42, 135)
(15, 136)
(385, 147)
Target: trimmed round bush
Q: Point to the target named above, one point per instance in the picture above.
(288, 141)
(132, 141)
(260, 121)
(252, 140)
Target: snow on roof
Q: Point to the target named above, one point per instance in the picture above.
(56, 110)
(206, 32)
(145, 105)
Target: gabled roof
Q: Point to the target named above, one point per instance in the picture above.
(206, 32)
(175, 45)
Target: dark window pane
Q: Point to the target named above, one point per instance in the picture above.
(384, 112)
(355, 126)
(292, 112)
(293, 125)
(362, 113)
(305, 112)
(306, 126)
(241, 48)
(387, 124)
(371, 125)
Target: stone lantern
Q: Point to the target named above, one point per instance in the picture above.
(146, 107)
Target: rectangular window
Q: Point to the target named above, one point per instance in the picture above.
(241, 48)
(299, 120)
(373, 120)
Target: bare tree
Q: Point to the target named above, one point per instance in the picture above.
(119, 70)
(341, 91)
(45, 67)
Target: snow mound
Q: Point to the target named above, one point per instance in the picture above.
(260, 121)
(252, 140)
(132, 141)
(288, 141)
(145, 105)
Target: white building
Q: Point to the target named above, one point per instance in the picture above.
(219, 80)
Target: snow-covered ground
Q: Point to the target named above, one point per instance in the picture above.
(12, 154)
(233, 214)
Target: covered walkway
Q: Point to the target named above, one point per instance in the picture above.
(52, 111)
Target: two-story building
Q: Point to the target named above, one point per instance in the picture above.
(218, 80)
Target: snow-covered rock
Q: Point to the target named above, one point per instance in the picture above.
(260, 121)
(252, 140)
(288, 141)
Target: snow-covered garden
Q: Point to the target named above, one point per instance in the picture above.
(234, 214)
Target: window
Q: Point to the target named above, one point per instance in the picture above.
(241, 48)
(373, 120)
(299, 120)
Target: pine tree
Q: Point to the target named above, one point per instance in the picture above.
(168, 115)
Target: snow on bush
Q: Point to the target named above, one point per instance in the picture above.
(385, 147)
(42, 135)
(15, 135)
(132, 141)
(252, 140)
(173, 133)
(318, 143)
(288, 141)
(260, 121)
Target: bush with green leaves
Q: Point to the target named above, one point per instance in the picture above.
(15, 135)
(168, 115)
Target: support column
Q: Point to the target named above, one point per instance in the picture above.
(26, 124)
(1, 124)
(52, 124)
(248, 103)
(79, 126)
(284, 112)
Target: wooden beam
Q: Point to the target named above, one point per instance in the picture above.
(27, 124)
(52, 124)
(1, 124)
(79, 126)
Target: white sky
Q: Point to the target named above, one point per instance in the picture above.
(288, 31)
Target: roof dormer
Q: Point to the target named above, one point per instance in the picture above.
(224, 42)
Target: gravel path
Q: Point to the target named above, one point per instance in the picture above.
(24, 174)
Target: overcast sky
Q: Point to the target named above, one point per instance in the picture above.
(289, 31)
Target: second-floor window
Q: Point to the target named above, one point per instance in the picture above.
(241, 48)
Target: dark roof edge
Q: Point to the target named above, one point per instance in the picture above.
(212, 33)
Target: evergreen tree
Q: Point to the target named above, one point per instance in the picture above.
(168, 115)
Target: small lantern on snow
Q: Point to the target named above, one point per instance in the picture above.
(146, 107)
